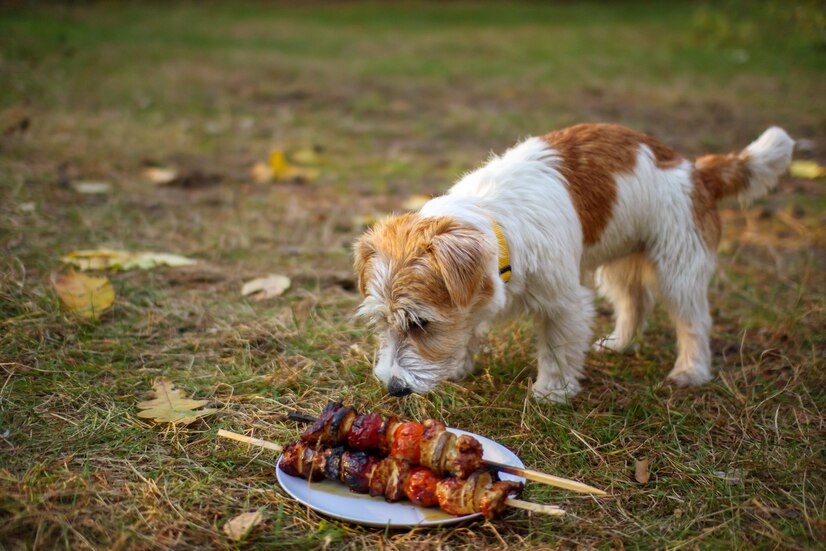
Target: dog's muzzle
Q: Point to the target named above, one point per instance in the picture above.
(397, 388)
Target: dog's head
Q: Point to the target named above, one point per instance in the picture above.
(424, 282)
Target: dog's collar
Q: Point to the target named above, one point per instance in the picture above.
(504, 254)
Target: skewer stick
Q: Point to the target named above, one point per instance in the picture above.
(536, 476)
(249, 440)
(545, 478)
(552, 510)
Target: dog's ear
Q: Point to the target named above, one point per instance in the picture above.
(461, 258)
(363, 251)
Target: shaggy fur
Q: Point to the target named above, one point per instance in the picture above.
(590, 197)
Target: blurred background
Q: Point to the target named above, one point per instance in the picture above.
(263, 137)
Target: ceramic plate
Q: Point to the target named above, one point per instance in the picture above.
(335, 500)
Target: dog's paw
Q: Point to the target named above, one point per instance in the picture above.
(555, 393)
(689, 376)
(611, 343)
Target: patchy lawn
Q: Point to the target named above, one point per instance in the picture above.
(397, 101)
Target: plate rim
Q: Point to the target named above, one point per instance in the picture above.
(424, 523)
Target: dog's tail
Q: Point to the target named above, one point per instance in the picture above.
(750, 173)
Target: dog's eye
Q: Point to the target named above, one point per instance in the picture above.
(419, 323)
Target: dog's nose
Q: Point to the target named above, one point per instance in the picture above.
(396, 388)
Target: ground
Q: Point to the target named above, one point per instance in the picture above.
(397, 101)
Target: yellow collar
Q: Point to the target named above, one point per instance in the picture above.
(504, 255)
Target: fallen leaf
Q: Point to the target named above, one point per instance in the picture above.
(261, 173)
(307, 156)
(415, 202)
(731, 476)
(92, 188)
(86, 296)
(283, 171)
(103, 259)
(239, 527)
(171, 405)
(263, 288)
(159, 175)
(809, 170)
(27, 207)
(193, 179)
(641, 473)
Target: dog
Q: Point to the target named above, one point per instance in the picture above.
(517, 236)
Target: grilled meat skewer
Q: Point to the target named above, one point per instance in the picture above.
(394, 479)
(428, 444)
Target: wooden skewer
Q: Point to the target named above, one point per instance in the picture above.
(249, 440)
(552, 510)
(545, 478)
(536, 476)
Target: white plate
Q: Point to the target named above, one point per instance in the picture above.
(335, 500)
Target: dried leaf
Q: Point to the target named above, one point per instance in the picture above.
(239, 527)
(641, 473)
(415, 202)
(171, 405)
(306, 156)
(282, 171)
(86, 296)
(809, 170)
(160, 175)
(103, 259)
(261, 173)
(92, 188)
(263, 288)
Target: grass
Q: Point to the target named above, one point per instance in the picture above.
(401, 99)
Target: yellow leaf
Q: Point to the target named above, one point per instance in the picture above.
(809, 170)
(415, 202)
(171, 405)
(263, 288)
(282, 171)
(103, 259)
(239, 527)
(83, 295)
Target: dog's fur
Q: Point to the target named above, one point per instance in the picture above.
(590, 197)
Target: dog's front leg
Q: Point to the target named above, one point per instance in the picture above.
(564, 335)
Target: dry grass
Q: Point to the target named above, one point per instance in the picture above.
(400, 103)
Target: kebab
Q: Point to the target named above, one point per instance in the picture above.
(394, 479)
(429, 444)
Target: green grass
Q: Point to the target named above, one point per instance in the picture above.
(401, 99)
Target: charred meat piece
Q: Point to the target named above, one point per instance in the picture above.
(364, 433)
(386, 434)
(332, 462)
(291, 458)
(356, 469)
(462, 456)
(479, 493)
(492, 501)
(313, 434)
(389, 477)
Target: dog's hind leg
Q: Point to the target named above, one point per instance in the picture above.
(683, 283)
(626, 282)
(564, 334)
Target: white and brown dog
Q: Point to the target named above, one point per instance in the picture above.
(516, 236)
